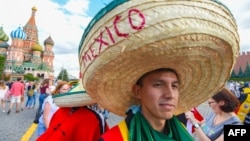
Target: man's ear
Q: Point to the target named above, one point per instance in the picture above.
(136, 91)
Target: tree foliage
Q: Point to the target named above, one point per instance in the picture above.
(63, 75)
(30, 77)
(2, 62)
(243, 75)
(233, 75)
(247, 71)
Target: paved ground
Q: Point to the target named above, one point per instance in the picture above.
(15, 125)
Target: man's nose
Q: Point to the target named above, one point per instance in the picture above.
(168, 92)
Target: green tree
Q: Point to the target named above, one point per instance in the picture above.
(30, 77)
(240, 74)
(2, 62)
(233, 75)
(247, 71)
(63, 75)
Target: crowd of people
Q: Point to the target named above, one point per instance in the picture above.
(221, 104)
(242, 91)
(44, 90)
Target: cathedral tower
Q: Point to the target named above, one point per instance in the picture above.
(32, 35)
(48, 54)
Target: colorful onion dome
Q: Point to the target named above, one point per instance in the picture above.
(49, 41)
(37, 47)
(19, 33)
(3, 36)
(4, 45)
(34, 8)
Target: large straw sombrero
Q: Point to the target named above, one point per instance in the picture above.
(127, 38)
(76, 97)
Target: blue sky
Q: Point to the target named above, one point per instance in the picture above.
(65, 21)
(94, 5)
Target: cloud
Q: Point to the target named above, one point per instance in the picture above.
(241, 12)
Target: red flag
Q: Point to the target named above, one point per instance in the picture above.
(197, 116)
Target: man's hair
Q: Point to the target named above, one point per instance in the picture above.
(139, 82)
(19, 78)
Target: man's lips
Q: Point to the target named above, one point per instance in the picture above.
(167, 106)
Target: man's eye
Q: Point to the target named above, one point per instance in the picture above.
(176, 86)
(157, 85)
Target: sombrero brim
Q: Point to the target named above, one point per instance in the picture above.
(198, 39)
(76, 97)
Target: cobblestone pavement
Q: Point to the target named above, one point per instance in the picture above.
(14, 126)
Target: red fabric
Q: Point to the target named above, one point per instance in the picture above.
(197, 116)
(80, 125)
(114, 134)
(43, 89)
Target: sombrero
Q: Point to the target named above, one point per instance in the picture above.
(127, 38)
(76, 97)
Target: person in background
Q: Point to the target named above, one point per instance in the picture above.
(9, 84)
(22, 96)
(17, 91)
(243, 86)
(44, 92)
(232, 88)
(52, 86)
(49, 107)
(75, 121)
(30, 93)
(223, 104)
(36, 92)
(3, 93)
(243, 111)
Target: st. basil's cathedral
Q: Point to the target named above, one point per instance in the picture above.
(25, 54)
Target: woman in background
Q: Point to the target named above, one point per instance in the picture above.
(223, 104)
(36, 92)
(3, 91)
(76, 121)
(49, 107)
(44, 92)
(31, 87)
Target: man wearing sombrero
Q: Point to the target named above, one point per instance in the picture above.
(139, 58)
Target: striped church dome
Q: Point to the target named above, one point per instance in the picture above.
(19, 33)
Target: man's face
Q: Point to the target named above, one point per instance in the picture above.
(159, 95)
